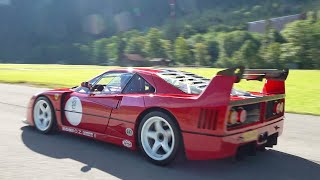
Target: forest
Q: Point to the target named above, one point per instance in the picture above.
(209, 33)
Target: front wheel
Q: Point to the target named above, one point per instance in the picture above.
(159, 138)
(43, 115)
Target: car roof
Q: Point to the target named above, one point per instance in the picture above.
(140, 70)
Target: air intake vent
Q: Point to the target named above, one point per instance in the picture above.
(207, 119)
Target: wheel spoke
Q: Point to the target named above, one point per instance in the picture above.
(158, 126)
(152, 135)
(165, 146)
(40, 116)
(168, 133)
(156, 147)
(46, 122)
(42, 108)
(43, 121)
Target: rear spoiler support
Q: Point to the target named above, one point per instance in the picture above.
(255, 74)
(219, 89)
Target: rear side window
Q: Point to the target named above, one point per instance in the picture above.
(137, 85)
(187, 82)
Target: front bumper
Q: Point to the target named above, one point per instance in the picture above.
(201, 147)
(29, 117)
(25, 121)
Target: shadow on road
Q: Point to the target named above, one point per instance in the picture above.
(126, 164)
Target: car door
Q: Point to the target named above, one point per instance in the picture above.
(91, 110)
(123, 118)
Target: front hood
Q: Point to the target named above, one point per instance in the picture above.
(61, 90)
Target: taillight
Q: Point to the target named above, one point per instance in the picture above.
(237, 116)
(242, 115)
(278, 107)
(233, 117)
(282, 107)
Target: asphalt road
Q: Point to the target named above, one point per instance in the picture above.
(26, 154)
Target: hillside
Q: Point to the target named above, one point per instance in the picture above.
(46, 31)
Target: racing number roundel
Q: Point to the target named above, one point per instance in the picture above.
(73, 111)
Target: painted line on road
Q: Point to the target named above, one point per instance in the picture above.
(13, 105)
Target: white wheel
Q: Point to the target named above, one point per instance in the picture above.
(159, 138)
(43, 115)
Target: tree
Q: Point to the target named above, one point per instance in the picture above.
(113, 50)
(167, 47)
(98, 51)
(231, 42)
(201, 54)
(135, 45)
(182, 51)
(289, 54)
(271, 36)
(213, 49)
(153, 46)
(188, 31)
(247, 55)
(303, 37)
(83, 54)
(271, 56)
(130, 34)
(171, 29)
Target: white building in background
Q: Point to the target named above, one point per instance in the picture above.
(278, 23)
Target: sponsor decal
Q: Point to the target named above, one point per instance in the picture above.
(73, 111)
(127, 143)
(78, 131)
(129, 131)
(56, 96)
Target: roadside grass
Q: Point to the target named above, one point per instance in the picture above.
(302, 86)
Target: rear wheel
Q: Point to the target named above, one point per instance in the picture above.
(43, 115)
(159, 138)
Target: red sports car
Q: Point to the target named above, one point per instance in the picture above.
(164, 112)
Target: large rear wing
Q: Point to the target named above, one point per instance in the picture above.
(255, 74)
(220, 87)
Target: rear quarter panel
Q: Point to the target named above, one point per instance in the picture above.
(188, 112)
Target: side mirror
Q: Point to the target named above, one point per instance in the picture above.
(86, 85)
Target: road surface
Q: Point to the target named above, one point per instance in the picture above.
(26, 154)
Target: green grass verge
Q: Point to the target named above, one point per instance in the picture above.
(302, 86)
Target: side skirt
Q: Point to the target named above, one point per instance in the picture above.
(99, 136)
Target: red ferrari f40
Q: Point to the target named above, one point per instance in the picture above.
(164, 112)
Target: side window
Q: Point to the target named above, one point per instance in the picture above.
(108, 83)
(112, 83)
(138, 85)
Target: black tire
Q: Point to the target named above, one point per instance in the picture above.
(52, 125)
(177, 145)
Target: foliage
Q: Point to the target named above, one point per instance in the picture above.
(213, 50)
(248, 55)
(304, 39)
(206, 32)
(182, 51)
(271, 56)
(201, 54)
(153, 46)
(136, 45)
(113, 50)
(232, 41)
(168, 49)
